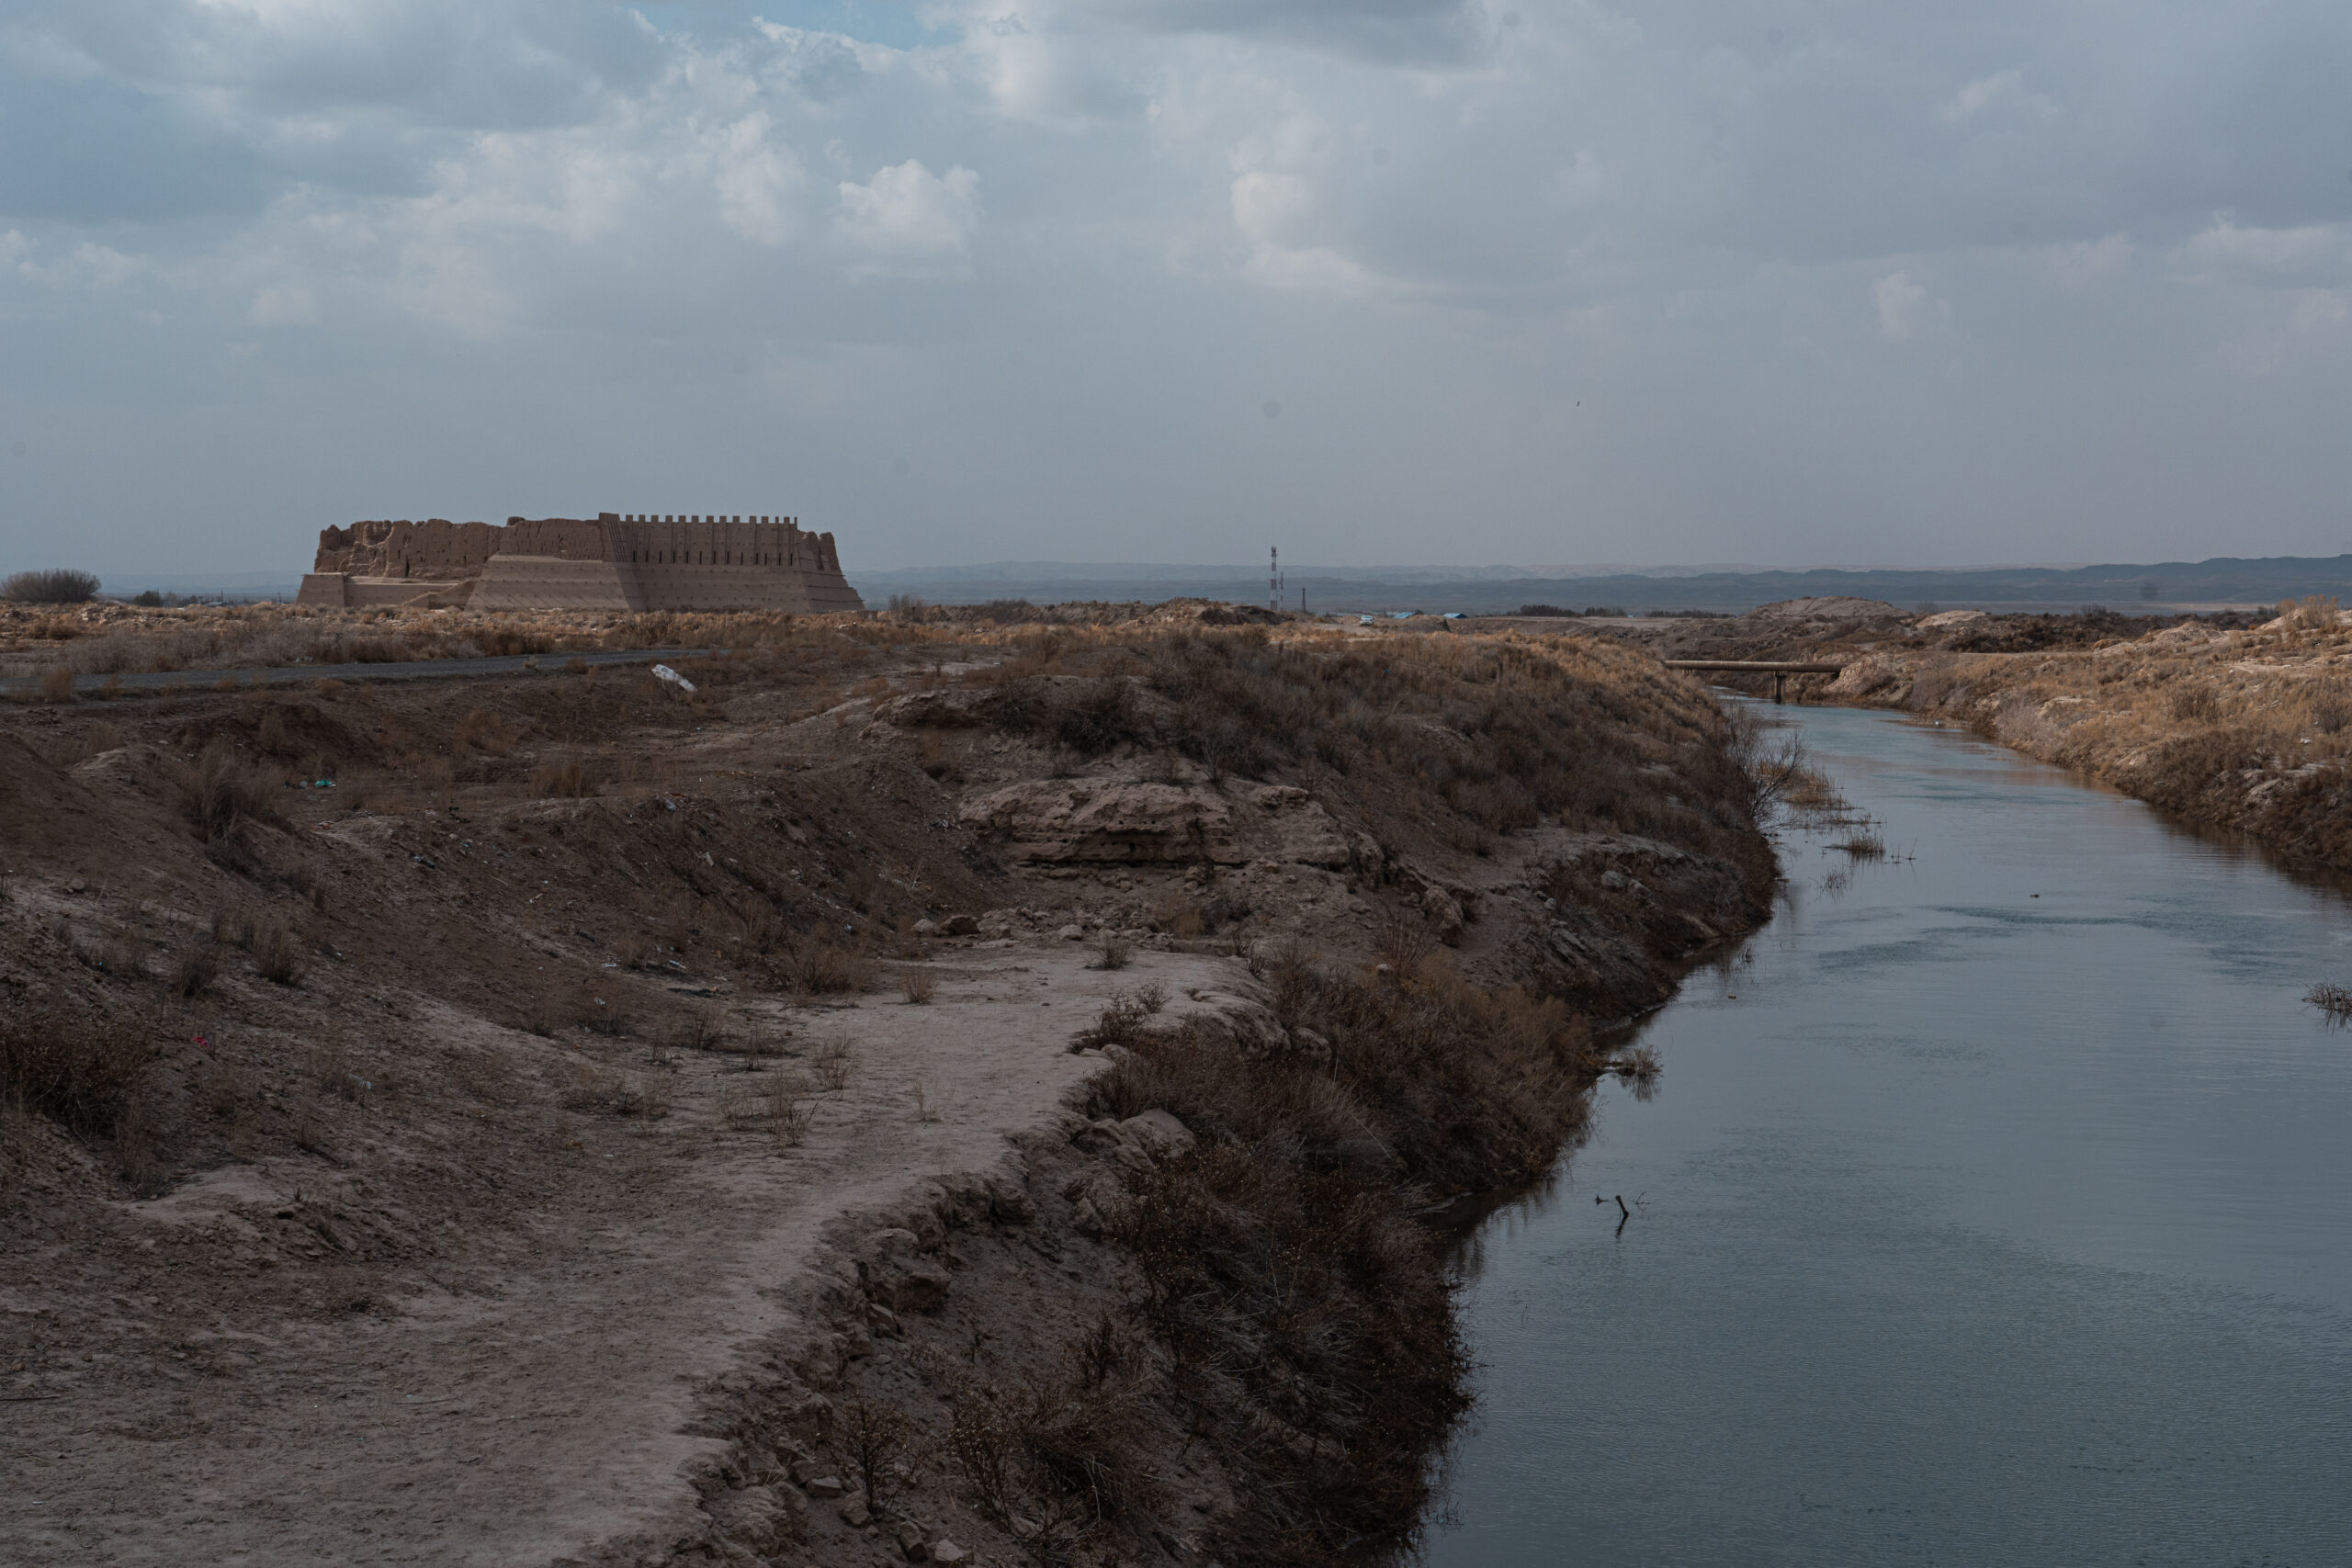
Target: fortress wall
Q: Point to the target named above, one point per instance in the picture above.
(435, 549)
(552, 582)
(341, 591)
(636, 562)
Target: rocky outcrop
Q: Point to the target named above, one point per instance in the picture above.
(1117, 820)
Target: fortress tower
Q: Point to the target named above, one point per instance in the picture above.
(613, 563)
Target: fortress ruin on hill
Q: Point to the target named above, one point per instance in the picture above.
(609, 562)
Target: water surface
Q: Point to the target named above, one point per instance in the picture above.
(1993, 1208)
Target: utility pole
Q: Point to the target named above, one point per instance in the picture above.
(1274, 580)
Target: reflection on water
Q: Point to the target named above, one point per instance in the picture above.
(1993, 1209)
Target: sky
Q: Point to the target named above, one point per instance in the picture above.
(1379, 281)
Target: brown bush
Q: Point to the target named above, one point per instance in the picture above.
(569, 779)
(57, 586)
(220, 791)
(1286, 1278)
(80, 1072)
(194, 968)
(57, 685)
(482, 730)
(819, 966)
(278, 955)
(1062, 1458)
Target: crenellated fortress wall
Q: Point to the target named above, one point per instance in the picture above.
(639, 561)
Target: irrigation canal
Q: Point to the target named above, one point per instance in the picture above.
(1994, 1207)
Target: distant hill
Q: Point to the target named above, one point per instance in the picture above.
(2223, 581)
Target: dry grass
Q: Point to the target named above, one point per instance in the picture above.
(2249, 730)
(611, 1092)
(82, 1072)
(567, 779)
(1111, 952)
(193, 969)
(1864, 841)
(278, 953)
(817, 964)
(918, 985)
(835, 1063)
(219, 793)
(1287, 1286)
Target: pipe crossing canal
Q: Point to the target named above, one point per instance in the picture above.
(1780, 670)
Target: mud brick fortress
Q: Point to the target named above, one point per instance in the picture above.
(611, 562)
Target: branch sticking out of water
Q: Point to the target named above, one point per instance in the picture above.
(2332, 1000)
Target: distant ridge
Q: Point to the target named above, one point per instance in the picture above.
(2224, 581)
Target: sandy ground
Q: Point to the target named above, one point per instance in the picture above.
(535, 1399)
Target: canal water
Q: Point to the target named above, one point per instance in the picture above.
(1994, 1206)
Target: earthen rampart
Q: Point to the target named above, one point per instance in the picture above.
(638, 562)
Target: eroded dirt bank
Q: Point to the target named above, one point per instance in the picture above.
(931, 1092)
(2237, 722)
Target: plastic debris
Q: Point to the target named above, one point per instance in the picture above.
(663, 673)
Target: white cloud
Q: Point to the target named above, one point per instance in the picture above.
(2086, 262)
(908, 221)
(2003, 89)
(758, 181)
(1905, 306)
(2227, 252)
(289, 305)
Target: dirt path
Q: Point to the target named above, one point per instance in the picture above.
(534, 1402)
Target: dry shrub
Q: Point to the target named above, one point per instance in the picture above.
(56, 685)
(1111, 952)
(2332, 1000)
(819, 966)
(566, 780)
(833, 1064)
(82, 1072)
(1064, 1458)
(1181, 919)
(918, 985)
(1124, 1019)
(783, 1106)
(1865, 842)
(193, 969)
(1404, 941)
(220, 791)
(635, 951)
(609, 1092)
(871, 1436)
(277, 952)
(56, 586)
(1298, 1302)
(701, 1027)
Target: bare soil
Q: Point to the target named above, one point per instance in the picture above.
(492, 1108)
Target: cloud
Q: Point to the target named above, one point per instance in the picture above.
(2225, 251)
(758, 182)
(1419, 225)
(283, 306)
(2001, 90)
(907, 221)
(1905, 306)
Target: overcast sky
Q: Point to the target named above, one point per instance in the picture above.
(1382, 281)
